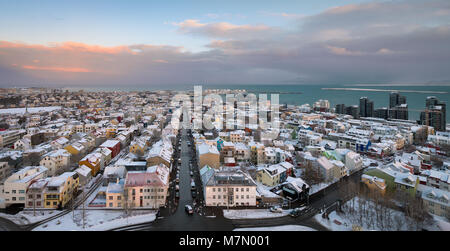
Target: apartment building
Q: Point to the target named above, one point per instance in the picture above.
(230, 189)
(147, 189)
(15, 187)
(56, 161)
(61, 190)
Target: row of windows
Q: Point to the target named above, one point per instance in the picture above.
(237, 189)
(151, 190)
(14, 199)
(20, 191)
(237, 197)
(236, 204)
(38, 204)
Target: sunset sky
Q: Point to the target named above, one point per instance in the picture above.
(143, 43)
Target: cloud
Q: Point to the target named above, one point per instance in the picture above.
(372, 42)
(55, 68)
(223, 29)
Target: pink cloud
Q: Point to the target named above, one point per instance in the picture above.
(56, 68)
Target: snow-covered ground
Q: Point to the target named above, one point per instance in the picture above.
(30, 110)
(27, 217)
(252, 214)
(365, 218)
(124, 222)
(317, 187)
(96, 220)
(277, 228)
(442, 223)
(331, 225)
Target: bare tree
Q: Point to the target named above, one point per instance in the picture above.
(311, 174)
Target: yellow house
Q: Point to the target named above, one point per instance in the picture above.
(111, 132)
(374, 183)
(75, 148)
(208, 155)
(138, 147)
(61, 190)
(93, 161)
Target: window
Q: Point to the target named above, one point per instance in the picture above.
(119, 197)
(13, 191)
(218, 197)
(248, 189)
(218, 189)
(110, 204)
(242, 189)
(110, 197)
(214, 189)
(214, 197)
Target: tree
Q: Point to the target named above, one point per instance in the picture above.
(294, 134)
(32, 159)
(311, 174)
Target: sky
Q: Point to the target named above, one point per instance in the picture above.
(143, 43)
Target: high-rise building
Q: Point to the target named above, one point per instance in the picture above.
(434, 114)
(381, 113)
(398, 109)
(352, 110)
(340, 108)
(365, 107)
(396, 99)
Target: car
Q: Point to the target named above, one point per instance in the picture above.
(194, 194)
(275, 209)
(294, 212)
(192, 173)
(192, 185)
(177, 188)
(177, 194)
(189, 209)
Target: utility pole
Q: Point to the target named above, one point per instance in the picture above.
(84, 212)
(34, 204)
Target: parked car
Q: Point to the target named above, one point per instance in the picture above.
(192, 185)
(189, 209)
(275, 209)
(192, 173)
(295, 212)
(194, 194)
(177, 195)
(177, 188)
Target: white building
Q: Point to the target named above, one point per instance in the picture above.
(15, 187)
(226, 188)
(56, 161)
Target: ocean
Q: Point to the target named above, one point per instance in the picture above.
(311, 93)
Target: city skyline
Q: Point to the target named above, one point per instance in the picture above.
(84, 44)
